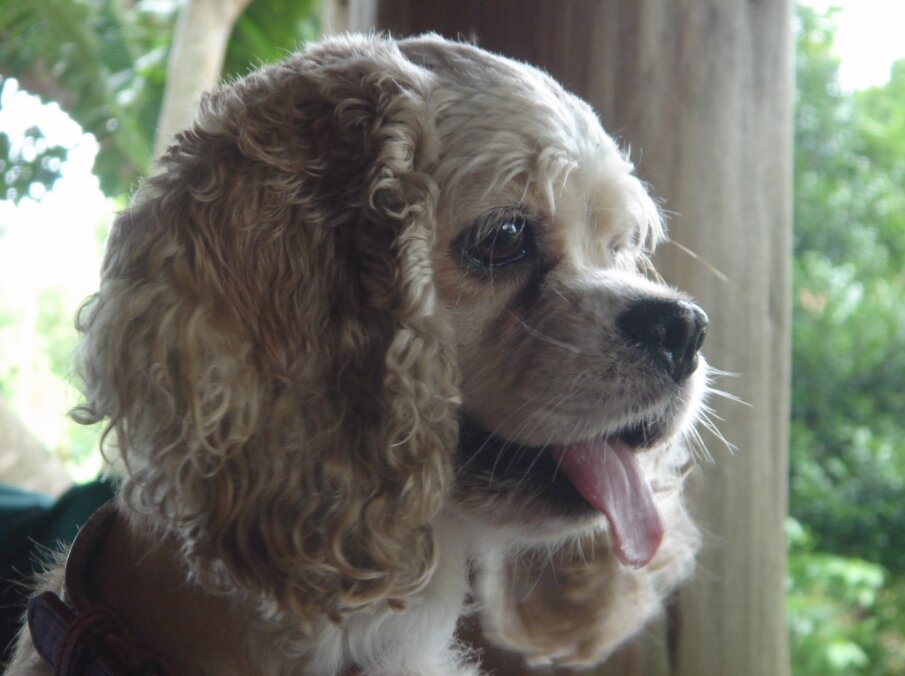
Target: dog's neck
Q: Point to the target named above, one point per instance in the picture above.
(141, 579)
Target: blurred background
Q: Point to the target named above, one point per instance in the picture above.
(82, 87)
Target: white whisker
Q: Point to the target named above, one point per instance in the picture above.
(547, 339)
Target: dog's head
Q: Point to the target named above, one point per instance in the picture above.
(376, 281)
(572, 361)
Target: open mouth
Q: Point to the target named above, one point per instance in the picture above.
(600, 474)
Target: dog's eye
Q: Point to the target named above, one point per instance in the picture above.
(504, 242)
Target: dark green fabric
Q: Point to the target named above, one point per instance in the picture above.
(31, 525)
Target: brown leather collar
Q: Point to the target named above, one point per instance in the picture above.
(73, 632)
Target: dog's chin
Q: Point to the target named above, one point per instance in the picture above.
(549, 492)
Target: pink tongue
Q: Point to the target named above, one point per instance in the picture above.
(606, 473)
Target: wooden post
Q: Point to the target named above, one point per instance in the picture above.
(701, 90)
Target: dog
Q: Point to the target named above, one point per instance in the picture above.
(381, 350)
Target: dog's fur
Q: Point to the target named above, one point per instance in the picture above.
(303, 318)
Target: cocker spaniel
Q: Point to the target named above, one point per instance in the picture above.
(380, 349)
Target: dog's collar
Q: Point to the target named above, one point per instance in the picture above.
(73, 632)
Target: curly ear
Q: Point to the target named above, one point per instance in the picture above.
(266, 343)
(574, 607)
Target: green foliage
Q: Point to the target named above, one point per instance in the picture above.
(846, 562)
(104, 62)
(843, 617)
(36, 343)
(881, 124)
(28, 166)
(848, 469)
(268, 31)
(848, 450)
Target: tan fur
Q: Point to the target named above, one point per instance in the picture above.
(251, 414)
(286, 333)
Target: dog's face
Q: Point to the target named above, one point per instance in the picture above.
(574, 364)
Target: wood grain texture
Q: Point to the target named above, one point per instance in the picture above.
(701, 91)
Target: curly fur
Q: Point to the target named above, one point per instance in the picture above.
(209, 343)
(284, 342)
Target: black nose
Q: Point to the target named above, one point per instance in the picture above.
(670, 330)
